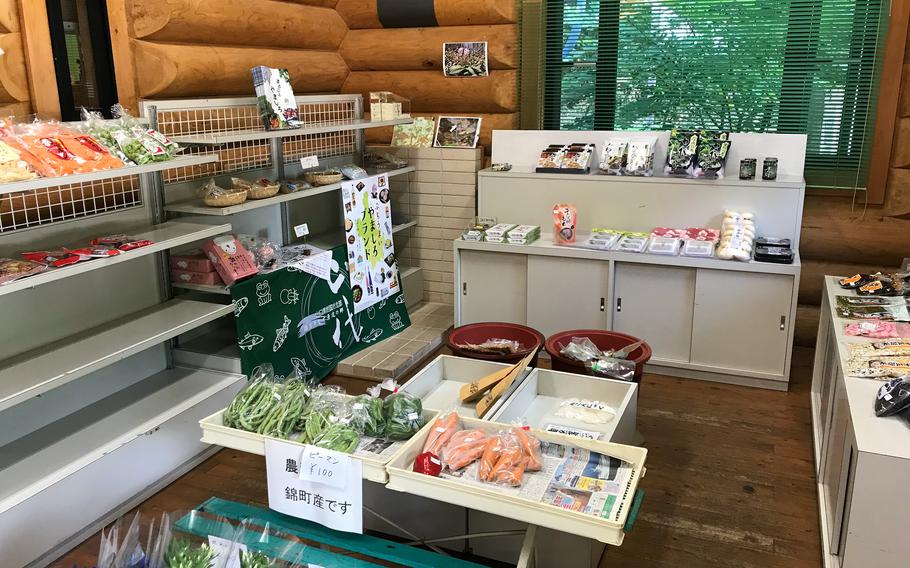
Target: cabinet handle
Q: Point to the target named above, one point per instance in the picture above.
(783, 322)
(618, 304)
(603, 304)
(464, 288)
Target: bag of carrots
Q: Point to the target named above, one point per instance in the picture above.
(511, 464)
(441, 432)
(463, 448)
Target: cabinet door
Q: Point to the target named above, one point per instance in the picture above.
(566, 293)
(655, 303)
(741, 320)
(494, 287)
(837, 470)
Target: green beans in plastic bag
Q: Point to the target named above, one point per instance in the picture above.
(251, 405)
(286, 417)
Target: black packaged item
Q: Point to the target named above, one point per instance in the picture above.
(772, 242)
(711, 156)
(780, 255)
(893, 397)
(878, 287)
(680, 152)
(855, 281)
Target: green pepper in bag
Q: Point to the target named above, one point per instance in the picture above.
(403, 415)
(338, 437)
(367, 416)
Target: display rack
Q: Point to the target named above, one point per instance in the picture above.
(226, 136)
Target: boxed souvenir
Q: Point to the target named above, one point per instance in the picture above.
(275, 98)
(568, 159)
(664, 245)
(386, 105)
(780, 255)
(232, 261)
(640, 158)
(613, 157)
(194, 261)
(632, 242)
(190, 277)
(694, 247)
(498, 231)
(524, 234)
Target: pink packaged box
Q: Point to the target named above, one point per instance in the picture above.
(190, 277)
(194, 261)
(231, 260)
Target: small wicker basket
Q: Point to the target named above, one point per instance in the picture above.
(327, 177)
(257, 191)
(225, 199)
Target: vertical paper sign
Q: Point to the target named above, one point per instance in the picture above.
(315, 484)
(372, 267)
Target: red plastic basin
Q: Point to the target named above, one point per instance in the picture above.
(604, 340)
(530, 340)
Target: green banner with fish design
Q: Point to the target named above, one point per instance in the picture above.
(297, 321)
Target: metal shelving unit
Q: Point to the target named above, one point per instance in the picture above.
(227, 136)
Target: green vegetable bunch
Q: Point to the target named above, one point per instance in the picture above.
(252, 405)
(288, 415)
(254, 560)
(403, 416)
(183, 554)
(367, 416)
(317, 421)
(338, 437)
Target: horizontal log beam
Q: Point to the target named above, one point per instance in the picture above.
(9, 16)
(421, 48)
(13, 74)
(363, 14)
(430, 91)
(265, 23)
(171, 70)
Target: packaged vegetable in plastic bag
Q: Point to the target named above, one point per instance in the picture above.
(612, 368)
(287, 416)
(328, 405)
(492, 450)
(403, 415)
(250, 407)
(463, 448)
(584, 410)
(259, 543)
(48, 147)
(531, 447)
(441, 432)
(339, 437)
(511, 463)
(170, 147)
(681, 150)
(581, 349)
(366, 413)
(613, 157)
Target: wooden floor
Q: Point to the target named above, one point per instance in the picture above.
(730, 479)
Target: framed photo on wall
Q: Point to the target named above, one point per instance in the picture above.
(457, 132)
(465, 59)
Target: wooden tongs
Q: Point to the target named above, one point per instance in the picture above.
(490, 388)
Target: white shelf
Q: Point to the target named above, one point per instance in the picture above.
(795, 182)
(207, 288)
(322, 128)
(545, 247)
(39, 371)
(197, 207)
(408, 270)
(165, 236)
(403, 226)
(45, 457)
(41, 183)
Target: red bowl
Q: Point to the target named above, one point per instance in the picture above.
(530, 340)
(604, 340)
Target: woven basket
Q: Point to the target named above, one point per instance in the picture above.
(263, 191)
(323, 178)
(225, 199)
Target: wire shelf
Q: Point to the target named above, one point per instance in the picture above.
(28, 209)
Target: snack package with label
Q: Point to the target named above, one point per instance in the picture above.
(121, 242)
(11, 269)
(194, 260)
(584, 410)
(632, 242)
(640, 160)
(189, 277)
(711, 154)
(670, 232)
(668, 246)
(565, 217)
(681, 151)
(702, 234)
(231, 260)
(613, 157)
(53, 258)
(697, 248)
(50, 149)
(877, 329)
(13, 167)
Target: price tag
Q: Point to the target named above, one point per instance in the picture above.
(317, 498)
(308, 162)
(302, 230)
(223, 548)
(325, 466)
(319, 265)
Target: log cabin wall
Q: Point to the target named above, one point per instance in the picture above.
(408, 60)
(14, 86)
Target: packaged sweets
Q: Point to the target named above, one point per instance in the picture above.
(680, 152)
(613, 157)
(231, 259)
(523, 234)
(640, 160)
(664, 245)
(602, 241)
(12, 166)
(565, 217)
(668, 232)
(498, 231)
(11, 269)
(855, 281)
(694, 247)
(632, 242)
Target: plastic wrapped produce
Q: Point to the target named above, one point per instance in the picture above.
(403, 415)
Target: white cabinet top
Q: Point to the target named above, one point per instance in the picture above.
(545, 247)
(886, 436)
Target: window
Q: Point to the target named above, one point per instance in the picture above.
(788, 66)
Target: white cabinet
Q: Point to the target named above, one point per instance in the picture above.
(741, 320)
(655, 302)
(566, 293)
(494, 287)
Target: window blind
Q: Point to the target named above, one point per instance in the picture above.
(786, 66)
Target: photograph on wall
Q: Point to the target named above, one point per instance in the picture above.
(372, 266)
(465, 59)
(457, 132)
(275, 98)
(418, 134)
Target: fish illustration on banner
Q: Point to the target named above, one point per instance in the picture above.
(372, 266)
(311, 335)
